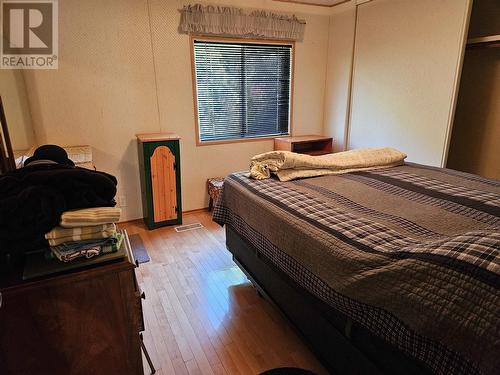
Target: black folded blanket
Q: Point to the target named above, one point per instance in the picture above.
(33, 198)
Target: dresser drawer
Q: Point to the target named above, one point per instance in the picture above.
(140, 315)
(138, 293)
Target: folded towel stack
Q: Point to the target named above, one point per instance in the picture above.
(85, 233)
(90, 216)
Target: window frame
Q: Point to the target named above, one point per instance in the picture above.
(192, 38)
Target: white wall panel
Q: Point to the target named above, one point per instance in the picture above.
(338, 80)
(407, 60)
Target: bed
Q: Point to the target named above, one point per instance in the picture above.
(386, 271)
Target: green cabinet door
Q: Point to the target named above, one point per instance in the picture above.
(159, 163)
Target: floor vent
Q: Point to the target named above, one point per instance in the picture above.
(184, 228)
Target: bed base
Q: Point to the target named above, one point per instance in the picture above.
(341, 345)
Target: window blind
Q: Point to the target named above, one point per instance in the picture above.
(243, 89)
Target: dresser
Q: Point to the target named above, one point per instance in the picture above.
(160, 173)
(82, 322)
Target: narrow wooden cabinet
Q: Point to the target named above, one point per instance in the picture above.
(159, 163)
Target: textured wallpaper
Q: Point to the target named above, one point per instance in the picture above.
(125, 69)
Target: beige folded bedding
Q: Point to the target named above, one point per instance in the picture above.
(60, 235)
(288, 165)
(90, 216)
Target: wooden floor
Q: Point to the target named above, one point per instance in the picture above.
(201, 313)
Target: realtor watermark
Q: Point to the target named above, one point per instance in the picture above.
(29, 34)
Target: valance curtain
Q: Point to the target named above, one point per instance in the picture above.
(235, 22)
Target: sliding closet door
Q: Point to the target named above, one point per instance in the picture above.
(406, 65)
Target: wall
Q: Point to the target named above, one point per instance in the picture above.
(17, 113)
(340, 49)
(407, 60)
(103, 91)
(173, 68)
(484, 18)
(124, 69)
(476, 131)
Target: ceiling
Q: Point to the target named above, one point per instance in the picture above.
(323, 3)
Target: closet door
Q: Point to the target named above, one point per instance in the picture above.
(406, 66)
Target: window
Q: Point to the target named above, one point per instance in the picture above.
(243, 90)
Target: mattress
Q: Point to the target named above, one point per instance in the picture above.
(411, 253)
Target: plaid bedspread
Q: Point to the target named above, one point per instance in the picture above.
(412, 253)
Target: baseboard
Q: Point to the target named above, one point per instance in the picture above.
(204, 209)
(198, 210)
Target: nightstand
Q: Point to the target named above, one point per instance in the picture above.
(305, 144)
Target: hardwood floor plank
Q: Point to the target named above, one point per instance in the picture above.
(202, 315)
(239, 360)
(157, 348)
(188, 331)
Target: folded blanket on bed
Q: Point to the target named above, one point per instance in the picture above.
(90, 216)
(289, 165)
(60, 235)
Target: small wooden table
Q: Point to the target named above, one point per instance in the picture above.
(305, 144)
